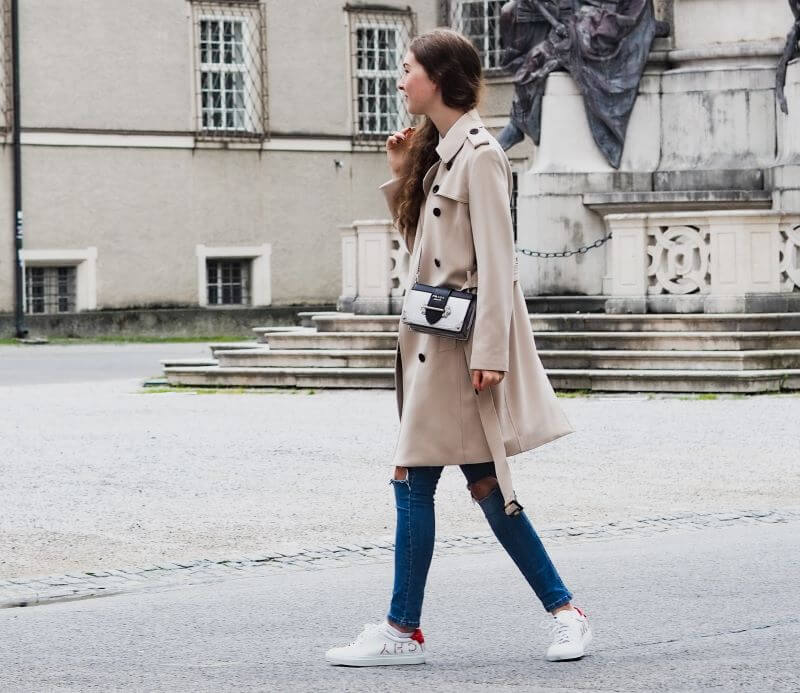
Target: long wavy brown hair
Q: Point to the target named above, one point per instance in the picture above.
(452, 62)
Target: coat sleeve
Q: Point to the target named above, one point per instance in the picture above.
(390, 189)
(493, 238)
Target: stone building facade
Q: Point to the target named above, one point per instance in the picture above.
(201, 153)
(194, 153)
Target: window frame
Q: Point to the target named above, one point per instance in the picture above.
(51, 303)
(245, 285)
(403, 22)
(456, 21)
(260, 258)
(378, 75)
(85, 263)
(252, 17)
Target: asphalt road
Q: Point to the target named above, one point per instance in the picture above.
(712, 609)
(42, 364)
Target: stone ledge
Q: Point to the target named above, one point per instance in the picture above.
(677, 200)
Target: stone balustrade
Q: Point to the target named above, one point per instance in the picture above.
(704, 261)
(374, 268)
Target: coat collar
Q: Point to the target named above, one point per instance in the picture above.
(454, 138)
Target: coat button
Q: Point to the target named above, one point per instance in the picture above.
(421, 357)
(474, 131)
(436, 262)
(448, 165)
(436, 211)
(435, 188)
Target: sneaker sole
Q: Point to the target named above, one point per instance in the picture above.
(384, 660)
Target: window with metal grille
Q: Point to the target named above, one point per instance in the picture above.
(231, 78)
(228, 282)
(379, 40)
(50, 289)
(480, 21)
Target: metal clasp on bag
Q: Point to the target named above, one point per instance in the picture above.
(445, 311)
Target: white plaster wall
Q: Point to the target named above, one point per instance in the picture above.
(702, 22)
(106, 64)
(566, 142)
(115, 66)
(718, 118)
(309, 63)
(146, 211)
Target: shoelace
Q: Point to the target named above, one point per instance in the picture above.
(561, 632)
(558, 629)
(369, 628)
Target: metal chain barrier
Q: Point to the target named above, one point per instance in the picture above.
(565, 253)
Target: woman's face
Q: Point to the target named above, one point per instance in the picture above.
(419, 92)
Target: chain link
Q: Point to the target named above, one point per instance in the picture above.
(565, 253)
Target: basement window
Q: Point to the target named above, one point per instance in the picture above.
(228, 282)
(50, 289)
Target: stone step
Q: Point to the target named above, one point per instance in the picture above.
(749, 381)
(742, 382)
(662, 341)
(231, 346)
(177, 362)
(706, 322)
(305, 317)
(309, 358)
(262, 333)
(751, 322)
(769, 359)
(349, 322)
(566, 304)
(334, 340)
(214, 376)
(560, 359)
(683, 341)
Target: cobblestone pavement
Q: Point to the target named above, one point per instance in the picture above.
(43, 590)
(97, 475)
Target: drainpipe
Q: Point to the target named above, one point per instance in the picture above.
(19, 315)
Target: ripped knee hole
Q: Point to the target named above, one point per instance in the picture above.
(482, 487)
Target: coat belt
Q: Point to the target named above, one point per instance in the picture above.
(494, 437)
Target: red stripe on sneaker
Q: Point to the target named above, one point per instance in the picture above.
(417, 635)
(579, 611)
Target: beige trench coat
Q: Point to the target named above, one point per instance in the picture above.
(467, 241)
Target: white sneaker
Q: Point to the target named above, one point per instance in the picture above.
(571, 635)
(375, 646)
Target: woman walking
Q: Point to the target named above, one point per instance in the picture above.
(468, 402)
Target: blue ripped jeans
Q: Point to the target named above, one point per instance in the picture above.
(415, 534)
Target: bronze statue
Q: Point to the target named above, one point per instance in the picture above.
(790, 52)
(603, 44)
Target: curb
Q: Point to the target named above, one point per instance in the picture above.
(21, 592)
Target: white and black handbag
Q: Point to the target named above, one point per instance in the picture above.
(439, 310)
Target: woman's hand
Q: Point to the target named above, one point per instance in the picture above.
(397, 146)
(483, 379)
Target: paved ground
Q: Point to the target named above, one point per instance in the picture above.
(711, 609)
(41, 364)
(98, 476)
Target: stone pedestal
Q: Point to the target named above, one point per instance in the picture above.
(701, 137)
(374, 268)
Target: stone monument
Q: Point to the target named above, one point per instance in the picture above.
(703, 204)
